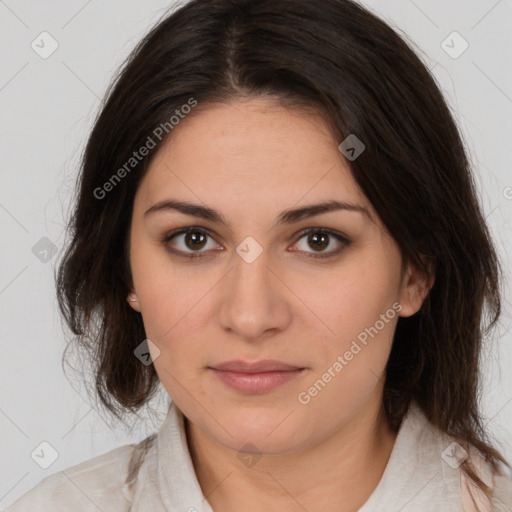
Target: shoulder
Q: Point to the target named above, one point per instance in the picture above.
(454, 480)
(502, 491)
(474, 499)
(104, 482)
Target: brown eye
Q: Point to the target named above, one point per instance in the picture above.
(195, 240)
(189, 243)
(319, 240)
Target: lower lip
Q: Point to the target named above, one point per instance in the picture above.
(256, 382)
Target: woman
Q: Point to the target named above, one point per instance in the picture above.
(266, 224)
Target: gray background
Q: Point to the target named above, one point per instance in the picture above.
(48, 106)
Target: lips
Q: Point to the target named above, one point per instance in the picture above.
(255, 377)
(255, 367)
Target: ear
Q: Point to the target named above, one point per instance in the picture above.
(133, 301)
(414, 288)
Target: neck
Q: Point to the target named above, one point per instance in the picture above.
(338, 474)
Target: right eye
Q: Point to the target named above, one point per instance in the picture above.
(190, 241)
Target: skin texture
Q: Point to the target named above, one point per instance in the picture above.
(250, 160)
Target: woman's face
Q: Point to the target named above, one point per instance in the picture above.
(258, 287)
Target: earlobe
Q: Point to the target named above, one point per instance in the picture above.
(133, 301)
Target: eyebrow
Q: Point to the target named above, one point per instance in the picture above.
(285, 217)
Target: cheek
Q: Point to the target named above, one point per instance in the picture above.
(355, 297)
(174, 322)
(177, 313)
(350, 363)
(172, 312)
(359, 306)
(163, 289)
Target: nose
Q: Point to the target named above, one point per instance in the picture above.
(254, 302)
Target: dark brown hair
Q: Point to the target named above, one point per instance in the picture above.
(365, 80)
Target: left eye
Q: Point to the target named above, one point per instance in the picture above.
(320, 239)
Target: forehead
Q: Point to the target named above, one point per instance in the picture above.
(253, 154)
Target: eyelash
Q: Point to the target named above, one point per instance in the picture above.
(193, 255)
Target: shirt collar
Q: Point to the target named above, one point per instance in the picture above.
(414, 462)
(416, 476)
(177, 480)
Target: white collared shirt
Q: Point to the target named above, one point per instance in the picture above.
(157, 475)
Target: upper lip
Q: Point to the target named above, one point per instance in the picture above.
(267, 365)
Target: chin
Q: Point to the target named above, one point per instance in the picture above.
(258, 443)
(266, 433)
